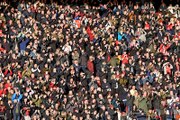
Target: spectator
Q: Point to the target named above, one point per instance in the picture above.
(16, 99)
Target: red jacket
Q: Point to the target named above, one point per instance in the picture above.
(90, 66)
(90, 34)
(2, 49)
(147, 26)
(169, 27)
(52, 85)
(8, 71)
(163, 48)
(2, 91)
(124, 59)
(7, 85)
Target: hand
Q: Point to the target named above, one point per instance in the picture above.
(80, 83)
(15, 101)
(8, 67)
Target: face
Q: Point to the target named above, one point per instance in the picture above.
(17, 92)
(32, 76)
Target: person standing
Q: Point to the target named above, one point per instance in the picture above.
(90, 65)
(16, 98)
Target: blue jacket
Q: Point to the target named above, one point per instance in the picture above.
(23, 44)
(119, 36)
(14, 97)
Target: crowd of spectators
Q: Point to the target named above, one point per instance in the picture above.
(106, 62)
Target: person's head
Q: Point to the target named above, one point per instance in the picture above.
(104, 80)
(54, 70)
(145, 94)
(147, 83)
(17, 91)
(36, 96)
(9, 102)
(109, 117)
(32, 76)
(171, 93)
(133, 87)
(35, 65)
